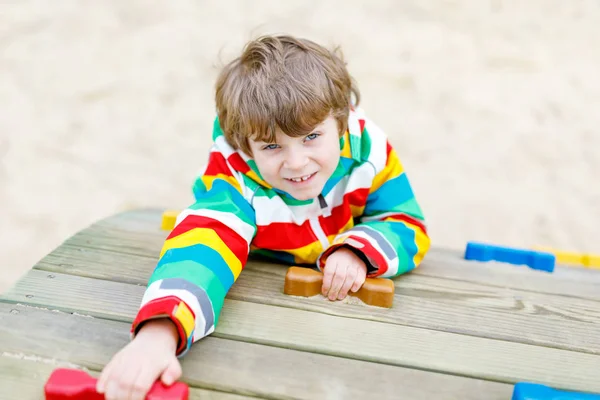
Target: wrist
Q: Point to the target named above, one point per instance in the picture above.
(162, 329)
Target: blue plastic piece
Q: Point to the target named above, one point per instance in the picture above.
(534, 391)
(533, 259)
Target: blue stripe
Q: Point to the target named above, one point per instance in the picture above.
(202, 254)
(344, 165)
(389, 196)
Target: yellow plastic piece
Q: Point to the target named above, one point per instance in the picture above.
(571, 258)
(591, 261)
(169, 218)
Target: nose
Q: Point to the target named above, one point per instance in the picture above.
(296, 160)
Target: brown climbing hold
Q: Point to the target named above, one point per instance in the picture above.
(307, 282)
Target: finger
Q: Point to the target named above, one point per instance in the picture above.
(121, 381)
(327, 278)
(172, 373)
(337, 282)
(143, 383)
(348, 282)
(135, 388)
(359, 281)
(103, 378)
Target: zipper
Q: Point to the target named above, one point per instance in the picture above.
(316, 225)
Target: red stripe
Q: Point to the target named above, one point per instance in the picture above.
(217, 165)
(409, 219)
(238, 163)
(342, 213)
(373, 255)
(337, 220)
(362, 125)
(388, 150)
(164, 306)
(236, 243)
(284, 236)
(357, 197)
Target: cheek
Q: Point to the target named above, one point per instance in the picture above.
(268, 166)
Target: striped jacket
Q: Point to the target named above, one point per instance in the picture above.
(367, 204)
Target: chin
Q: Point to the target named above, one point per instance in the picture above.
(307, 195)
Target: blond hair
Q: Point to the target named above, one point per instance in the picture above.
(282, 82)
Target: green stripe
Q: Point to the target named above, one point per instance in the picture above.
(410, 207)
(197, 274)
(254, 168)
(365, 145)
(355, 147)
(216, 129)
(228, 200)
(288, 200)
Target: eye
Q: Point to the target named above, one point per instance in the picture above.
(312, 136)
(271, 146)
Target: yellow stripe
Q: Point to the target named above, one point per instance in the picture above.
(308, 253)
(346, 151)
(356, 211)
(251, 174)
(185, 316)
(208, 181)
(209, 238)
(393, 168)
(421, 240)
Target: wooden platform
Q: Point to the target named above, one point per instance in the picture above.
(458, 329)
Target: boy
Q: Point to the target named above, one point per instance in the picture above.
(298, 174)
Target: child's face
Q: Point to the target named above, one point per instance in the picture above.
(300, 166)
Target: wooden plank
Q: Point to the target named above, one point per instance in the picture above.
(332, 335)
(226, 365)
(421, 301)
(138, 233)
(451, 264)
(23, 377)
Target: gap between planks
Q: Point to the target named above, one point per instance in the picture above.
(351, 338)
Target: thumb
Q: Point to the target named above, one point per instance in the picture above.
(172, 373)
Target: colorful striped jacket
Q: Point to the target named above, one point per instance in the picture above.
(367, 204)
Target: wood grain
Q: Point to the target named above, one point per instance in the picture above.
(23, 377)
(218, 364)
(334, 335)
(420, 301)
(138, 233)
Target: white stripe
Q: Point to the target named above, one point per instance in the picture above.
(378, 138)
(154, 292)
(231, 220)
(223, 147)
(271, 210)
(318, 230)
(392, 264)
(353, 125)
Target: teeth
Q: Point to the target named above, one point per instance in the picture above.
(303, 178)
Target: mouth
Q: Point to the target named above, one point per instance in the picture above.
(301, 179)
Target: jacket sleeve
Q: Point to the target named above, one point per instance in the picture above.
(201, 258)
(391, 236)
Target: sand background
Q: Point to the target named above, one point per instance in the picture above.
(494, 108)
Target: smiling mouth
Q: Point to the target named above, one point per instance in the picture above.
(301, 178)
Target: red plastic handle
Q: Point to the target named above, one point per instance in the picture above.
(71, 384)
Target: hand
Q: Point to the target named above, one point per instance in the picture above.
(150, 355)
(343, 271)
